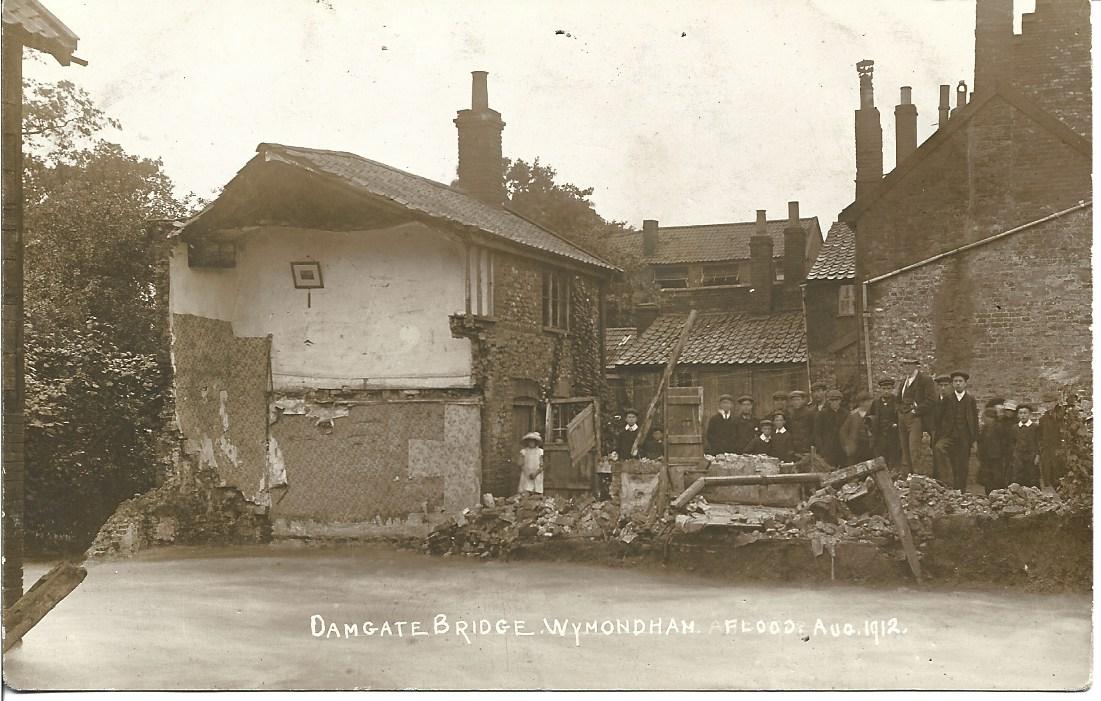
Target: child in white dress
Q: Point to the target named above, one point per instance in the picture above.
(531, 463)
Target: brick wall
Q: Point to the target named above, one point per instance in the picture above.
(832, 340)
(515, 356)
(1000, 171)
(1051, 60)
(1015, 313)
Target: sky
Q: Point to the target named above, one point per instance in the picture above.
(691, 112)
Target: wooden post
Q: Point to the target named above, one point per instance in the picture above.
(665, 377)
(54, 586)
(894, 508)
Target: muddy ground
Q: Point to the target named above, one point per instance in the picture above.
(190, 618)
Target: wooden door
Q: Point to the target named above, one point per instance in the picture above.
(683, 431)
(571, 451)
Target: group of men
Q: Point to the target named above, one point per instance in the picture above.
(1011, 444)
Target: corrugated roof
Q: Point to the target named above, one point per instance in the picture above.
(837, 259)
(616, 340)
(722, 338)
(39, 29)
(428, 197)
(711, 242)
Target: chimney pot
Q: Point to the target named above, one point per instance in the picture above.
(904, 95)
(793, 213)
(479, 91)
(945, 105)
(961, 94)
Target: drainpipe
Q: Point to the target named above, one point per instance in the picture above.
(866, 314)
(806, 335)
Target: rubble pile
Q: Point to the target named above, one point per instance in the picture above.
(494, 527)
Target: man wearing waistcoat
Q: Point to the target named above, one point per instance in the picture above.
(957, 430)
(917, 396)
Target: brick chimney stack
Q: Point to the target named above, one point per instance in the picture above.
(795, 246)
(649, 236)
(961, 96)
(945, 107)
(760, 267)
(905, 126)
(869, 134)
(481, 166)
(993, 37)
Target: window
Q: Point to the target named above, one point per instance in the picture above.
(211, 254)
(684, 378)
(779, 273)
(720, 275)
(479, 281)
(556, 300)
(846, 300)
(668, 278)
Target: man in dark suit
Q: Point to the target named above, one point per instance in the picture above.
(827, 430)
(941, 470)
(745, 424)
(1026, 449)
(720, 429)
(917, 396)
(957, 430)
(884, 420)
(801, 424)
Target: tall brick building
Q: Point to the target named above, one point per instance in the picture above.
(358, 349)
(974, 252)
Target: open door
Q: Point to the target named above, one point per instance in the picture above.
(572, 447)
(683, 432)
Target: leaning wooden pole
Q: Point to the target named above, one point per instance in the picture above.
(671, 365)
(54, 586)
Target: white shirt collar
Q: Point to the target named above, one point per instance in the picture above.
(724, 414)
(782, 429)
(630, 427)
(1024, 423)
(764, 438)
(959, 395)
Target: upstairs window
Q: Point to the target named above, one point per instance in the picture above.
(556, 300)
(715, 275)
(846, 300)
(479, 281)
(671, 278)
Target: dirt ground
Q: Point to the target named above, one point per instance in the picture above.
(260, 619)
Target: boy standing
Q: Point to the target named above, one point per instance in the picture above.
(781, 439)
(801, 424)
(827, 430)
(884, 416)
(761, 444)
(855, 437)
(625, 441)
(1026, 449)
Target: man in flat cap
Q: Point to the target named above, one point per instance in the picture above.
(917, 396)
(800, 424)
(827, 430)
(720, 429)
(1052, 465)
(1026, 448)
(941, 470)
(884, 423)
(957, 430)
(745, 424)
(818, 395)
(779, 403)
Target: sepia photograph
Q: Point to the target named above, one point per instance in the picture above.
(401, 345)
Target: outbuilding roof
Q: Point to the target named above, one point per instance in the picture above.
(837, 258)
(722, 338)
(702, 243)
(36, 27)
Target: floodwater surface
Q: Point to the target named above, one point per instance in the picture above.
(370, 617)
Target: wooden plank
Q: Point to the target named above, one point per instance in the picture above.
(581, 433)
(671, 365)
(853, 472)
(898, 516)
(689, 494)
(734, 480)
(54, 586)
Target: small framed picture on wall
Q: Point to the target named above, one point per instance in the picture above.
(307, 275)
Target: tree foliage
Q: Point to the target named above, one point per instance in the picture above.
(98, 373)
(566, 209)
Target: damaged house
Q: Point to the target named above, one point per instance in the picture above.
(359, 349)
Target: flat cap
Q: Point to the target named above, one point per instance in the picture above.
(780, 395)
(745, 398)
(960, 373)
(1024, 405)
(630, 410)
(942, 379)
(834, 394)
(764, 422)
(886, 382)
(798, 393)
(726, 397)
(1010, 405)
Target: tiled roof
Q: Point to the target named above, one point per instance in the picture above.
(722, 338)
(39, 29)
(427, 197)
(711, 242)
(837, 259)
(616, 340)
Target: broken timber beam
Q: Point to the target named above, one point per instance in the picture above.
(898, 516)
(743, 480)
(46, 593)
(671, 365)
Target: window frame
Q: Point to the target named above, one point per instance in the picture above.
(555, 296)
(663, 273)
(732, 271)
(846, 300)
